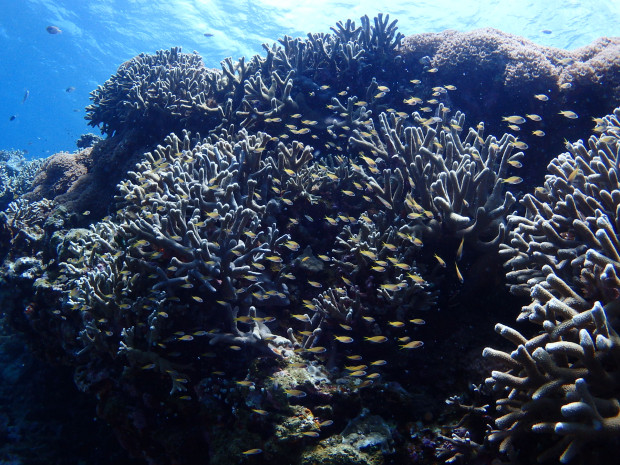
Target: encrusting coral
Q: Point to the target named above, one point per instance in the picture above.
(565, 252)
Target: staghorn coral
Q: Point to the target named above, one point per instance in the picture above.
(176, 91)
(564, 252)
(459, 185)
(192, 269)
(170, 88)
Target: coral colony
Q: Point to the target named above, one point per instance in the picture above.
(261, 283)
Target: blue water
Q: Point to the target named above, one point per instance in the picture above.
(97, 36)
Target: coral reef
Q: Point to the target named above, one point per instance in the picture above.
(564, 253)
(16, 175)
(505, 72)
(87, 140)
(156, 88)
(193, 266)
(272, 278)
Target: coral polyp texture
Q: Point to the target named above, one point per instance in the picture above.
(564, 253)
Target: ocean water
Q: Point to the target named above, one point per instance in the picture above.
(58, 71)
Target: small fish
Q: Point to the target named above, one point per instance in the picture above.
(378, 363)
(245, 383)
(260, 411)
(355, 368)
(566, 86)
(187, 337)
(442, 263)
(315, 284)
(69, 89)
(418, 321)
(376, 339)
(515, 119)
(412, 345)
(295, 393)
(208, 34)
(12, 117)
(310, 434)
(459, 251)
(326, 423)
(396, 324)
(568, 114)
(26, 94)
(573, 174)
(432, 70)
(369, 254)
(416, 278)
(302, 317)
(53, 30)
(538, 133)
(458, 273)
(512, 180)
(317, 350)
(412, 101)
(541, 97)
(390, 287)
(252, 452)
(292, 245)
(344, 339)
(534, 117)
(520, 145)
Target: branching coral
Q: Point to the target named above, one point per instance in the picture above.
(16, 175)
(293, 237)
(170, 88)
(177, 92)
(431, 173)
(565, 252)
